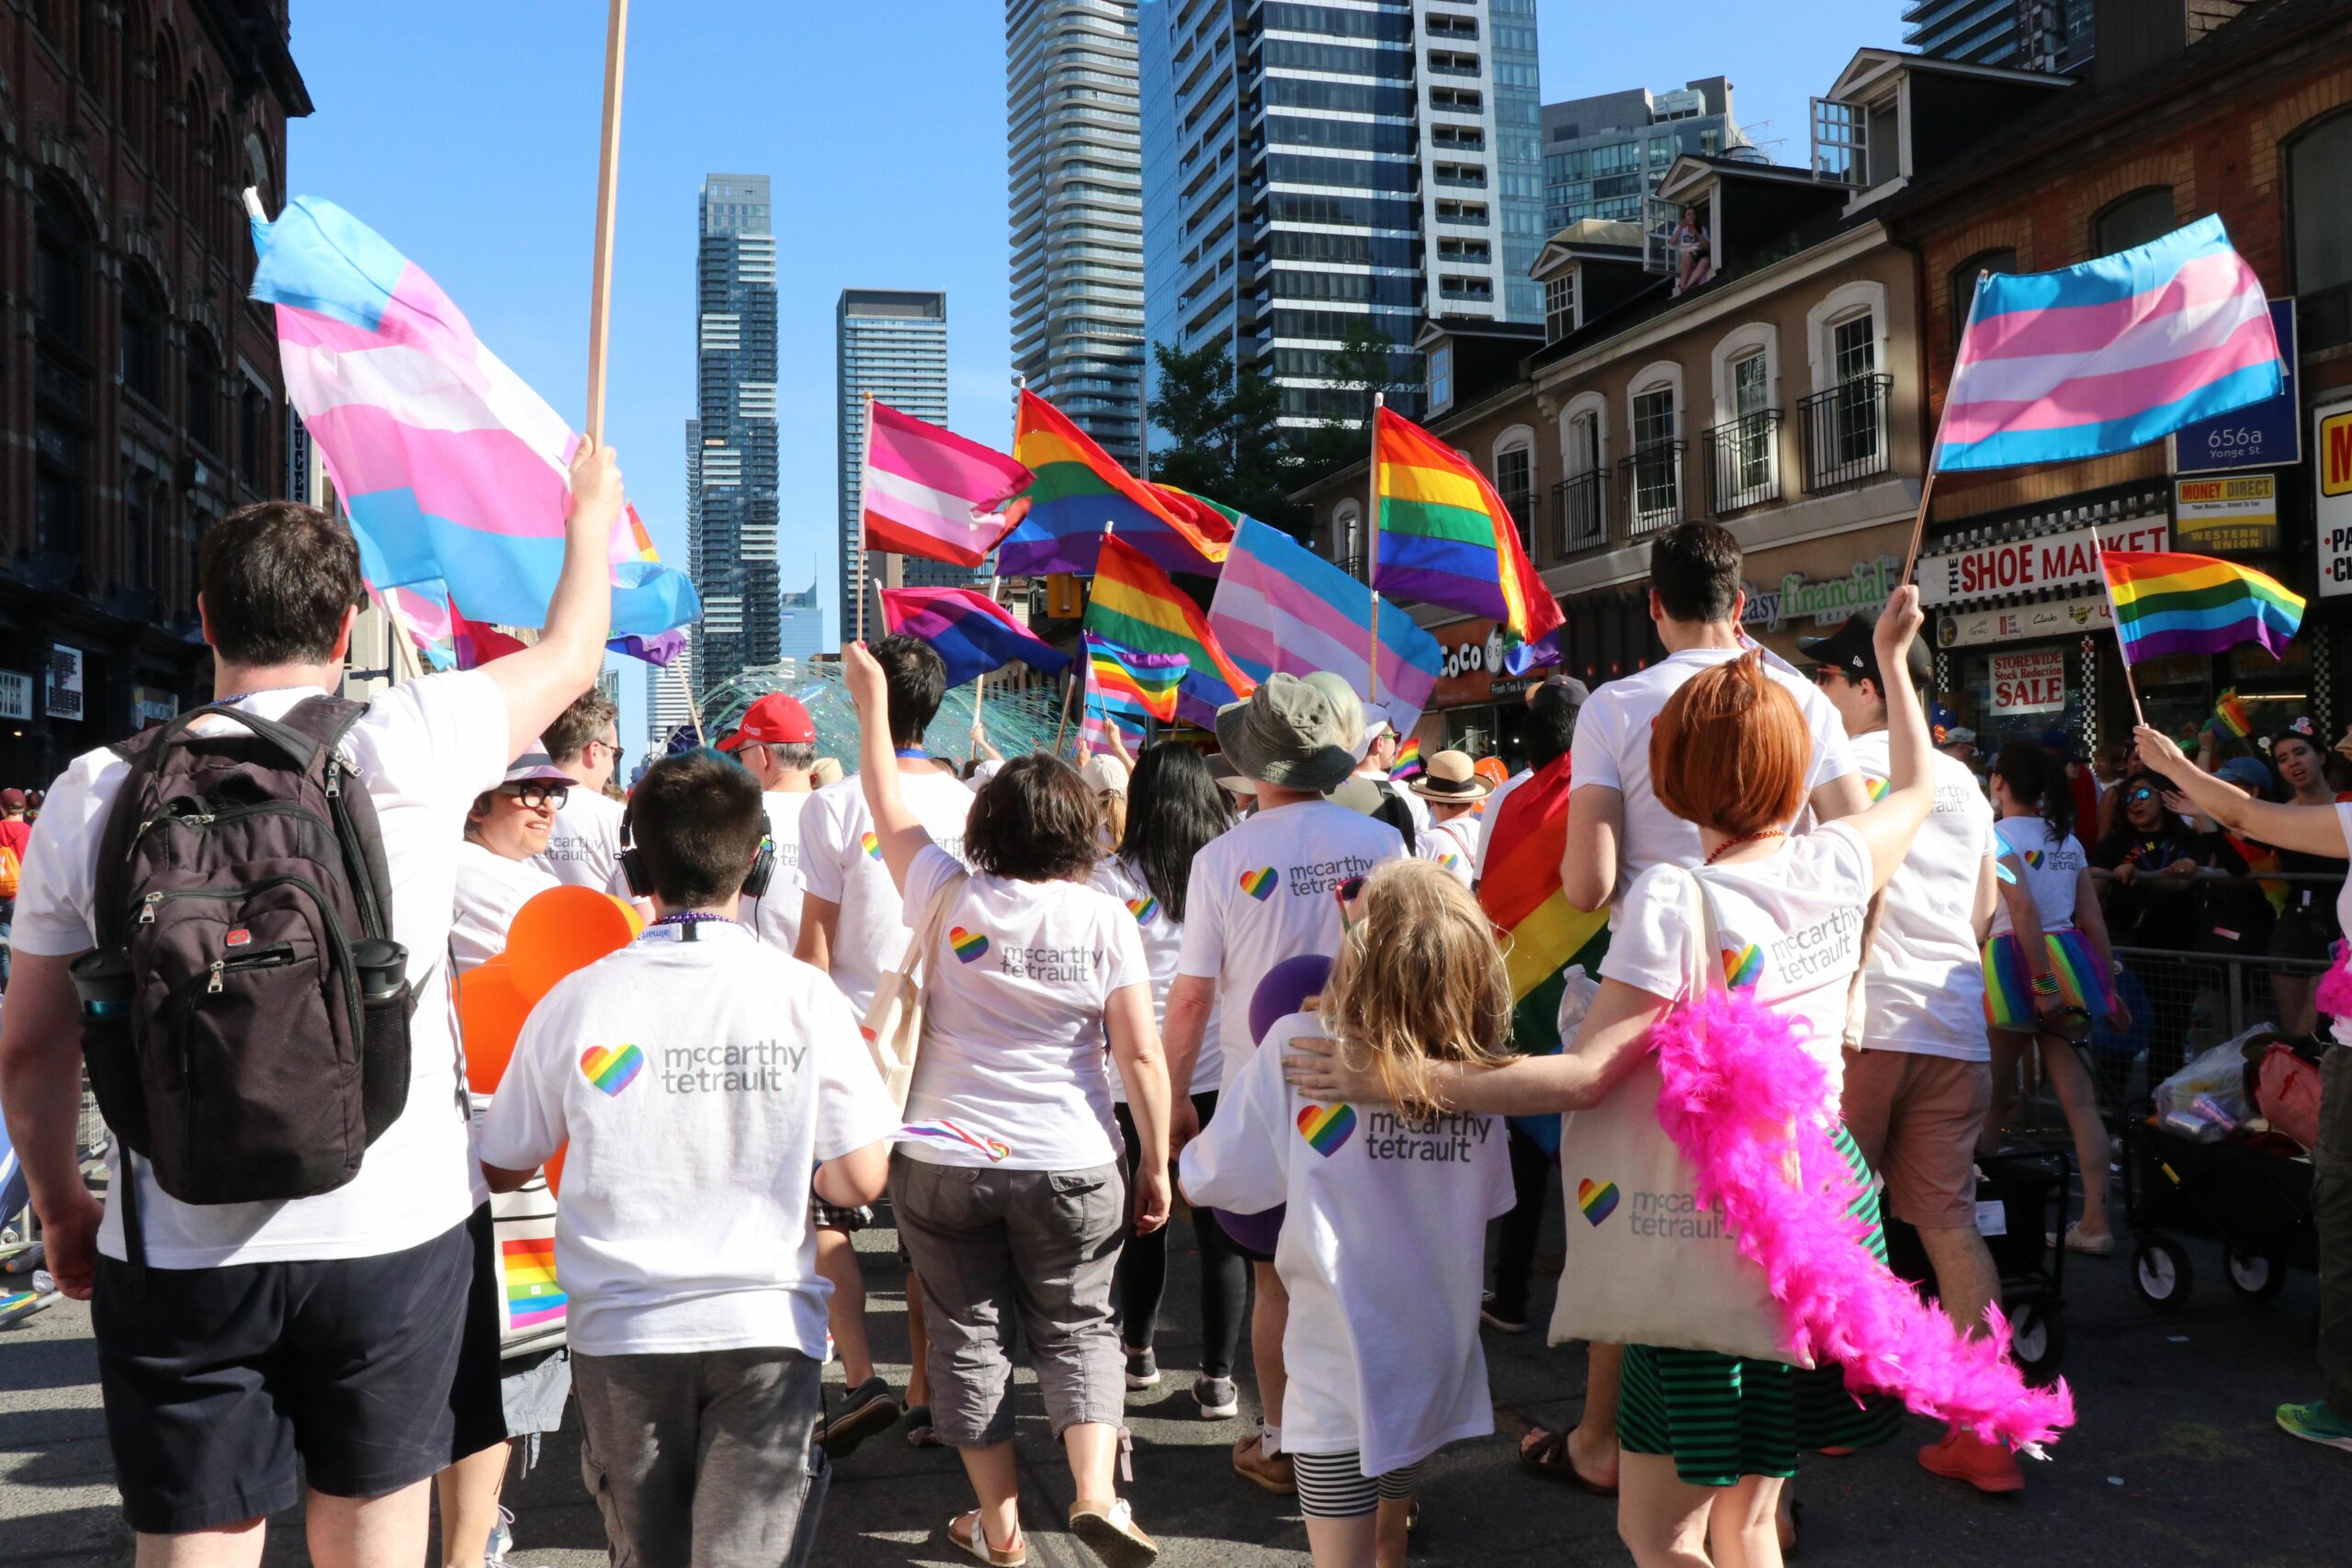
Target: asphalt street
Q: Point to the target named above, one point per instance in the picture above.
(2176, 1460)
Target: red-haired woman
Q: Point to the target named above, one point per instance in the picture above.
(1709, 1438)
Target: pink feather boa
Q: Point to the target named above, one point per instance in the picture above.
(2335, 996)
(1735, 1077)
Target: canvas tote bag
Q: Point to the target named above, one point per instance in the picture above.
(1647, 1265)
(893, 1023)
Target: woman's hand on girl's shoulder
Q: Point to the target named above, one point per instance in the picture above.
(1330, 1071)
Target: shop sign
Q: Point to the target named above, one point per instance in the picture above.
(65, 681)
(148, 706)
(2331, 509)
(2081, 615)
(1474, 665)
(2029, 683)
(2228, 516)
(2260, 435)
(1827, 599)
(2023, 566)
(15, 694)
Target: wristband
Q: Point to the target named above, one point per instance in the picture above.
(2045, 985)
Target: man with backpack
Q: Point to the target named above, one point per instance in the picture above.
(251, 906)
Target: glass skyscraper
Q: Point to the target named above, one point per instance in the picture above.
(1604, 154)
(1076, 211)
(731, 442)
(2031, 35)
(1313, 170)
(802, 632)
(889, 344)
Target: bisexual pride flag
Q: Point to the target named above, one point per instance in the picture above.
(2109, 355)
(452, 469)
(971, 633)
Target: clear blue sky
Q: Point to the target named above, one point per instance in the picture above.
(467, 135)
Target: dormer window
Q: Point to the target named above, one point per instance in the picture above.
(1560, 306)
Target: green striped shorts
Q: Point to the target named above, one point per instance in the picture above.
(1722, 1418)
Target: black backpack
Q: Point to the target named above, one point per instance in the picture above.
(245, 1013)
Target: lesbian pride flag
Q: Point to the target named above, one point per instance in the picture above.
(451, 468)
(2109, 355)
(971, 633)
(928, 492)
(1280, 606)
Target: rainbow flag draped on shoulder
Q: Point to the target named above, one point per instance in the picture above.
(1079, 490)
(1444, 536)
(452, 469)
(2109, 355)
(1137, 607)
(2167, 604)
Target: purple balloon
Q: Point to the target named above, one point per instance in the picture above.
(1284, 991)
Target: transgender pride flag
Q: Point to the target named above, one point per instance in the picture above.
(2109, 355)
(452, 469)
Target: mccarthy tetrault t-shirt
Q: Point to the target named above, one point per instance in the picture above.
(1164, 939)
(1267, 889)
(2050, 864)
(585, 843)
(698, 1082)
(841, 861)
(1383, 1248)
(491, 890)
(1923, 986)
(775, 916)
(423, 750)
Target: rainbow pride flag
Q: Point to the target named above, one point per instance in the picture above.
(1444, 536)
(1143, 684)
(1409, 761)
(533, 1296)
(1135, 606)
(1079, 490)
(2109, 355)
(2167, 604)
(452, 469)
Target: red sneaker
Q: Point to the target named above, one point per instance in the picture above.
(1988, 1467)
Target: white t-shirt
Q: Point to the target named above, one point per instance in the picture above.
(585, 843)
(1787, 927)
(1013, 1042)
(2050, 866)
(1163, 938)
(699, 1083)
(1924, 988)
(425, 749)
(1383, 1249)
(1612, 747)
(842, 863)
(1494, 814)
(775, 916)
(2344, 907)
(491, 890)
(1453, 845)
(1267, 889)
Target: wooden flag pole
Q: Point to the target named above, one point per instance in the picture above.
(600, 284)
(981, 687)
(1372, 558)
(1935, 448)
(2122, 654)
(865, 452)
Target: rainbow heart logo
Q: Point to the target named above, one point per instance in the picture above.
(611, 1068)
(971, 946)
(1742, 965)
(1259, 884)
(872, 846)
(2033, 858)
(1878, 787)
(1145, 909)
(1327, 1128)
(1596, 1200)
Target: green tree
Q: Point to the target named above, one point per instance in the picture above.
(1366, 362)
(1227, 441)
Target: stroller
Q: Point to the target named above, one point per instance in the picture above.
(2253, 1196)
(2020, 1203)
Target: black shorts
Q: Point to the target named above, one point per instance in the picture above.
(377, 1372)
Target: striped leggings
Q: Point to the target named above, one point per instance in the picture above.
(1334, 1486)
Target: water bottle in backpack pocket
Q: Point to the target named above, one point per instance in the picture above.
(245, 1013)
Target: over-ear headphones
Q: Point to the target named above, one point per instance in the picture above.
(640, 880)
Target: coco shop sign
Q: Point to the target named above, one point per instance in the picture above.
(1825, 600)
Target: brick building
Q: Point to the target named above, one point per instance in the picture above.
(139, 393)
(2244, 111)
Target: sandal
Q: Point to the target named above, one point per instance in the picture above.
(1547, 1456)
(919, 1429)
(1109, 1531)
(974, 1542)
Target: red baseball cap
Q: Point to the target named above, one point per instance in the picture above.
(774, 720)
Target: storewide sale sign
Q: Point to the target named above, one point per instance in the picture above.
(2029, 683)
(2331, 508)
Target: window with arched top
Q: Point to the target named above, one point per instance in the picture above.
(1962, 285)
(2319, 215)
(89, 48)
(202, 416)
(1580, 499)
(1347, 538)
(2135, 220)
(1654, 467)
(142, 336)
(62, 247)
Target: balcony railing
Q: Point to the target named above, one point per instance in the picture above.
(1651, 477)
(1743, 462)
(1846, 433)
(1581, 503)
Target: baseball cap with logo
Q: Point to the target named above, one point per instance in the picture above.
(1850, 652)
(774, 720)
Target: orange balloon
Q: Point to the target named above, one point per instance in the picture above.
(563, 930)
(491, 1012)
(1492, 769)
